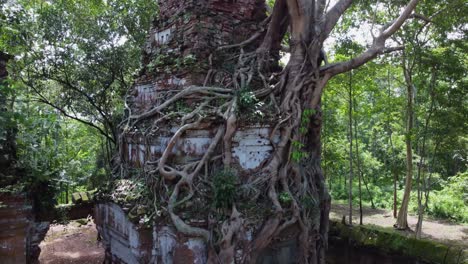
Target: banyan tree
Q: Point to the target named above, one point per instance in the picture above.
(219, 151)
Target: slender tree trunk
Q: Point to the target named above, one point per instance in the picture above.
(394, 160)
(427, 190)
(395, 197)
(395, 178)
(421, 173)
(368, 191)
(421, 210)
(402, 219)
(356, 136)
(350, 116)
(66, 193)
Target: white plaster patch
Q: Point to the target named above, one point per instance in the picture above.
(146, 94)
(176, 81)
(164, 241)
(198, 247)
(251, 146)
(163, 37)
(186, 148)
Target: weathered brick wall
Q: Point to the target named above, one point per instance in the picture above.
(15, 219)
(182, 39)
(126, 242)
(240, 9)
(176, 56)
(20, 235)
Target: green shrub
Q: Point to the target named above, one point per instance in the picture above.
(452, 201)
(224, 188)
(248, 105)
(285, 198)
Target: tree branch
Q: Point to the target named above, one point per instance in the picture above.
(320, 9)
(88, 123)
(332, 17)
(421, 17)
(44, 100)
(392, 49)
(277, 27)
(378, 47)
(386, 33)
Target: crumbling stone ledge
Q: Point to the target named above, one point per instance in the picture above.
(388, 241)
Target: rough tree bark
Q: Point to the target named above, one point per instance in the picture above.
(296, 93)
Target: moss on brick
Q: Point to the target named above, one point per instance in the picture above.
(84, 197)
(389, 241)
(76, 197)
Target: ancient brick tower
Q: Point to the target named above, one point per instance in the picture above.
(179, 54)
(186, 32)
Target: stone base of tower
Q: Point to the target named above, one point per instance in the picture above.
(125, 242)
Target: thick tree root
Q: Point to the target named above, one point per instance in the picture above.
(290, 182)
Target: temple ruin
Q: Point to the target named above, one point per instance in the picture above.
(181, 54)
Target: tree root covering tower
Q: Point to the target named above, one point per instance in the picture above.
(204, 170)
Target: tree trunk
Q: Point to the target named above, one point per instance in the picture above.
(66, 193)
(395, 199)
(368, 191)
(423, 193)
(358, 160)
(402, 219)
(350, 120)
(395, 178)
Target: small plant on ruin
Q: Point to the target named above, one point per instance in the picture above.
(285, 198)
(224, 188)
(297, 154)
(249, 104)
(189, 60)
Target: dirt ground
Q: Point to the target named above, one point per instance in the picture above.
(72, 243)
(440, 230)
